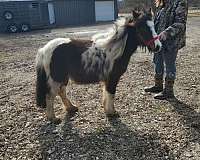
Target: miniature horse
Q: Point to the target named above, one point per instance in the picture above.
(104, 58)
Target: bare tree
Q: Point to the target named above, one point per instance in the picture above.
(194, 3)
(127, 5)
(138, 3)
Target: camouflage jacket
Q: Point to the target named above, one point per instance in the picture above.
(172, 18)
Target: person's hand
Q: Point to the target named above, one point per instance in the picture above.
(163, 36)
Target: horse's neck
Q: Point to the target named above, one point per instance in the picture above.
(114, 48)
(131, 45)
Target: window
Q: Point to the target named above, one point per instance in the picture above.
(34, 5)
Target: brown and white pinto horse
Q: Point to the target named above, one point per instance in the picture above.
(104, 58)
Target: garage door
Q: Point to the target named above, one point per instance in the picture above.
(104, 10)
(74, 12)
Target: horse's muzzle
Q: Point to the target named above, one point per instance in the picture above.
(157, 48)
(154, 44)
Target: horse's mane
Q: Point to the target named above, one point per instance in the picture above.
(113, 33)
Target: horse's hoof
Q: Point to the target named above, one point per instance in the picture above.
(56, 121)
(72, 110)
(113, 115)
(41, 107)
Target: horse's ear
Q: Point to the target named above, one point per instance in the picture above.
(135, 14)
(144, 11)
(150, 12)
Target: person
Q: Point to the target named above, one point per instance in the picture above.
(170, 24)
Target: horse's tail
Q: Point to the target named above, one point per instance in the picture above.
(41, 81)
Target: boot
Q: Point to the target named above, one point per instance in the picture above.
(168, 91)
(158, 86)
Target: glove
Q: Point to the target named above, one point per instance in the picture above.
(163, 36)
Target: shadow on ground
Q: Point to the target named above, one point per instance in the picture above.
(114, 142)
(190, 117)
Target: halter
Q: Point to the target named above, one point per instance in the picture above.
(151, 41)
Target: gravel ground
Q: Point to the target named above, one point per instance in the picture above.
(146, 130)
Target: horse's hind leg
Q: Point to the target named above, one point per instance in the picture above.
(53, 88)
(68, 106)
(50, 110)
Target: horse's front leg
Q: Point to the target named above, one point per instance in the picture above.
(109, 90)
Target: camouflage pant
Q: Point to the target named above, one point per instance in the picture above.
(165, 62)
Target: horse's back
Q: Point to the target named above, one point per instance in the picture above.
(53, 44)
(66, 59)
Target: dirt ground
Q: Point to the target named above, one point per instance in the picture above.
(146, 130)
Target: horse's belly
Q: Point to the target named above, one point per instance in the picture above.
(86, 78)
